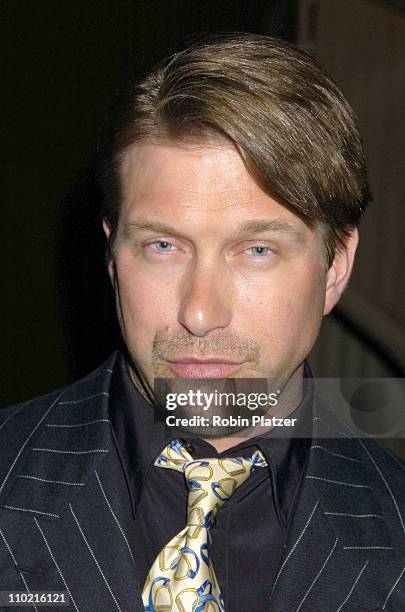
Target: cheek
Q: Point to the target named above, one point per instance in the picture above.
(284, 307)
(145, 304)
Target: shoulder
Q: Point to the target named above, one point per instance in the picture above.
(389, 467)
(16, 421)
(383, 455)
(380, 466)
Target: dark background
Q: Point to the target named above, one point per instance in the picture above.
(63, 61)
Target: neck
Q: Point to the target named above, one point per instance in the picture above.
(290, 397)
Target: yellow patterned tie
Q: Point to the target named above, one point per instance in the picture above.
(182, 578)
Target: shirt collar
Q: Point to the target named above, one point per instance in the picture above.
(140, 438)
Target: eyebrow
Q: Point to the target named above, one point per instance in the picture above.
(159, 228)
(248, 227)
(275, 225)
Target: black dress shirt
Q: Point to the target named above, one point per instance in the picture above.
(250, 533)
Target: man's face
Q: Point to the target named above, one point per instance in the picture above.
(214, 278)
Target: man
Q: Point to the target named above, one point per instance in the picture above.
(233, 186)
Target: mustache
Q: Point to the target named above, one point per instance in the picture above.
(167, 345)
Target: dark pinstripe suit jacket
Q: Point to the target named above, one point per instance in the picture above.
(62, 491)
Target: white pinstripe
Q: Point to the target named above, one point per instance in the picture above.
(393, 588)
(27, 440)
(335, 454)
(115, 518)
(353, 587)
(346, 484)
(72, 484)
(71, 452)
(295, 545)
(94, 558)
(318, 574)
(15, 563)
(354, 515)
(83, 399)
(56, 565)
(368, 548)
(79, 424)
(386, 484)
(31, 510)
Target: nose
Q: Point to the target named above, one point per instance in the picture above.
(206, 299)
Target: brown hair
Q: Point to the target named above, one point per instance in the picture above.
(289, 121)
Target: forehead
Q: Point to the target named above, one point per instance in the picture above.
(204, 184)
(203, 168)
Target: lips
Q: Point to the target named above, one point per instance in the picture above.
(214, 367)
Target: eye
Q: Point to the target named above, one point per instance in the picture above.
(259, 251)
(162, 246)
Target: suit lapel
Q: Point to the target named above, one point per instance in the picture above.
(338, 546)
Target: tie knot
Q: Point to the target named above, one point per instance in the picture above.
(210, 481)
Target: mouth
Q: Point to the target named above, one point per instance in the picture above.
(212, 367)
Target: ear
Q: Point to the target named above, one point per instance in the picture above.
(338, 274)
(110, 260)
